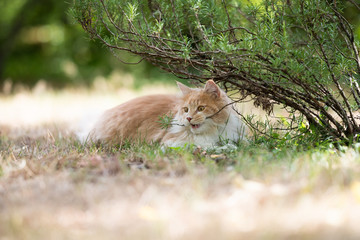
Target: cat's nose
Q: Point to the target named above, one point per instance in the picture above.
(189, 118)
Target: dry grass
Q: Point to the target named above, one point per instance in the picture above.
(53, 187)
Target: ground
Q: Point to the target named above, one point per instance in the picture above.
(54, 187)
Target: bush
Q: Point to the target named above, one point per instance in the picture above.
(301, 55)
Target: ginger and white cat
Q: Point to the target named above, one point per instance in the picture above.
(200, 117)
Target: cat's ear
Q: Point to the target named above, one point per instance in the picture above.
(212, 88)
(184, 89)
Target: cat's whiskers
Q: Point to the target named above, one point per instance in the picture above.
(173, 123)
(176, 124)
(222, 109)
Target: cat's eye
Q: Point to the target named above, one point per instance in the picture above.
(200, 108)
(186, 109)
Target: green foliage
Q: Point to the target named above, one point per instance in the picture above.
(46, 44)
(165, 121)
(299, 54)
(288, 134)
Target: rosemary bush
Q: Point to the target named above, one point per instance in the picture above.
(299, 54)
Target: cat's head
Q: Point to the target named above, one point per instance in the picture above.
(202, 109)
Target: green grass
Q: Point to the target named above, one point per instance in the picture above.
(52, 186)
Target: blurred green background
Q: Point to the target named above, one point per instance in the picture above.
(40, 41)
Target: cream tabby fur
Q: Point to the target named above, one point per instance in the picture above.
(196, 119)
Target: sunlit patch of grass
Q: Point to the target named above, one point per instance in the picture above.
(58, 151)
(132, 188)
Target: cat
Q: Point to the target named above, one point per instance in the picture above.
(201, 116)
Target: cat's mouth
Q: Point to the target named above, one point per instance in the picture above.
(195, 126)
